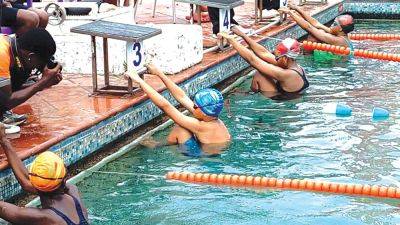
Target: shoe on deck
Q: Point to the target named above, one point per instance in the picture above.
(11, 118)
(12, 129)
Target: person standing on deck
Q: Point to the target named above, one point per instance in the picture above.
(203, 134)
(278, 72)
(60, 202)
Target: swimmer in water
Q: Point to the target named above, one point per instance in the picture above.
(202, 134)
(60, 202)
(336, 34)
(278, 72)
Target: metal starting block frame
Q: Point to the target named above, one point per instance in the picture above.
(135, 52)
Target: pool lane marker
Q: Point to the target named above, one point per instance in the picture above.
(341, 50)
(375, 37)
(285, 184)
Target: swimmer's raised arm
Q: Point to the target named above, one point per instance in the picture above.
(321, 35)
(19, 169)
(309, 18)
(179, 118)
(175, 90)
(22, 215)
(263, 67)
(258, 49)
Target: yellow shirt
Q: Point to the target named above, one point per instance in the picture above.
(5, 57)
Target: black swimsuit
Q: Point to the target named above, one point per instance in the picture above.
(305, 85)
(82, 219)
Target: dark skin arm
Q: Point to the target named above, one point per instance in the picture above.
(175, 90)
(309, 18)
(22, 215)
(189, 123)
(321, 35)
(258, 49)
(50, 78)
(266, 69)
(73, 190)
(20, 171)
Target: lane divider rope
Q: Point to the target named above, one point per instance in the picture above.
(376, 37)
(289, 184)
(341, 50)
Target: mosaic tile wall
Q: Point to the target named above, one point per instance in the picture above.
(373, 9)
(79, 146)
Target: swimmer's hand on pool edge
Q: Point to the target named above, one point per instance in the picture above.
(134, 76)
(285, 10)
(236, 30)
(293, 6)
(225, 35)
(153, 69)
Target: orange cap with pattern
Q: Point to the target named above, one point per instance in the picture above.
(47, 172)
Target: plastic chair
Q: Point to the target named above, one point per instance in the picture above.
(8, 30)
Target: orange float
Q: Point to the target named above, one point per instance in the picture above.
(376, 37)
(295, 184)
(308, 45)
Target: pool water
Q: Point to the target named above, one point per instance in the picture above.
(285, 139)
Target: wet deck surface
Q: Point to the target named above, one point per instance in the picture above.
(68, 108)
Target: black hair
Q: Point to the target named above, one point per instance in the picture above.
(38, 41)
(62, 189)
(348, 28)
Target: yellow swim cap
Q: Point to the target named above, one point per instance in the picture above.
(47, 172)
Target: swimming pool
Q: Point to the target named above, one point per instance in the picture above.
(286, 139)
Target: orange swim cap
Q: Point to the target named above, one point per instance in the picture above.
(47, 172)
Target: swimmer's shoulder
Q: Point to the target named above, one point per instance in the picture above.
(214, 126)
(73, 190)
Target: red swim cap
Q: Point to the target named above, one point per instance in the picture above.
(345, 20)
(288, 47)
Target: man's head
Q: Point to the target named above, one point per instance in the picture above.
(208, 104)
(47, 172)
(285, 51)
(36, 48)
(343, 23)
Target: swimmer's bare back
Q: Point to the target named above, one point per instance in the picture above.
(212, 132)
(261, 83)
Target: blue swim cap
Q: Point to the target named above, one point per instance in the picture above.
(210, 101)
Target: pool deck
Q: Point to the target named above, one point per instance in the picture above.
(68, 109)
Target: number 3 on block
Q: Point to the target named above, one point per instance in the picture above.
(135, 55)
